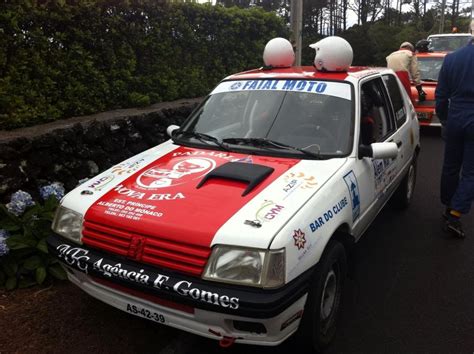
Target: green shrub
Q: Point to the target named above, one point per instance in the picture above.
(24, 258)
(61, 58)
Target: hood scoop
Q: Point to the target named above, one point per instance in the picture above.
(251, 173)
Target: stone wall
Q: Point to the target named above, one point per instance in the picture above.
(77, 148)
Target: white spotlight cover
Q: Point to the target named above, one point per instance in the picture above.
(333, 54)
(278, 53)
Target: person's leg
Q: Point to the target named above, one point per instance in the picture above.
(462, 198)
(453, 157)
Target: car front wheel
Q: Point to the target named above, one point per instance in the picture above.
(318, 325)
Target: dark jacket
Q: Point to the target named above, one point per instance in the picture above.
(455, 89)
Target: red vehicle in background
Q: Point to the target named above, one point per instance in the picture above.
(429, 65)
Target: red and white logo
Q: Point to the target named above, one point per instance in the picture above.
(166, 175)
(299, 237)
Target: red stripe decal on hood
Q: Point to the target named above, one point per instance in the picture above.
(162, 200)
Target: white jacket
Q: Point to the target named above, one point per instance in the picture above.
(405, 60)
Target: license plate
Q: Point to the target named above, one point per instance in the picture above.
(423, 115)
(145, 313)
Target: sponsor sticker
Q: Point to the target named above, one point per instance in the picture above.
(353, 188)
(127, 167)
(88, 263)
(181, 171)
(384, 173)
(299, 238)
(134, 194)
(328, 215)
(129, 209)
(101, 183)
(298, 180)
(247, 159)
(337, 89)
(268, 211)
(304, 246)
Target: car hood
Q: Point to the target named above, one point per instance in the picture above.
(200, 197)
(429, 88)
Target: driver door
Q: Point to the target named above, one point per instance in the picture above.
(375, 176)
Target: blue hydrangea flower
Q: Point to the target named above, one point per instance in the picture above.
(3, 242)
(55, 189)
(19, 201)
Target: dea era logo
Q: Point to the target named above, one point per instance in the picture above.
(175, 172)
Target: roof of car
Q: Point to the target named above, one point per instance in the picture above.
(431, 55)
(450, 35)
(306, 72)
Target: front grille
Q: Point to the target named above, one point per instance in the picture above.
(154, 250)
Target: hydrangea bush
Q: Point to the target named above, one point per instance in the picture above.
(24, 226)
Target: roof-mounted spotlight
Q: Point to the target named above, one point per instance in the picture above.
(278, 53)
(332, 54)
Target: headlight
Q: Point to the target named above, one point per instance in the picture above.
(68, 223)
(252, 267)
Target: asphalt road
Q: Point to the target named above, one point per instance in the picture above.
(411, 289)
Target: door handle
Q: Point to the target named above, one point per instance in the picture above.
(399, 143)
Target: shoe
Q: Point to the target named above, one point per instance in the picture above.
(454, 227)
(447, 213)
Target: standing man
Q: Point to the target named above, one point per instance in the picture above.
(405, 65)
(455, 109)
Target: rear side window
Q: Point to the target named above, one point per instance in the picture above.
(397, 100)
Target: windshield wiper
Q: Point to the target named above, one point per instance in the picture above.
(264, 142)
(202, 137)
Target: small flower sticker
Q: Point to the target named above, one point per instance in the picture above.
(299, 237)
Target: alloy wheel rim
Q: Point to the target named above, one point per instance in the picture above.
(328, 298)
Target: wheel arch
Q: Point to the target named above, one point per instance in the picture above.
(417, 151)
(342, 235)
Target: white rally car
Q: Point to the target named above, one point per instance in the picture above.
(238, 227)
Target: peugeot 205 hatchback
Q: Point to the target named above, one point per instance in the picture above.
(237, 228)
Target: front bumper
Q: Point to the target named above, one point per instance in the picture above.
(210, 309)
(427, 117)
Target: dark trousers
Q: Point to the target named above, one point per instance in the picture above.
(457, 178)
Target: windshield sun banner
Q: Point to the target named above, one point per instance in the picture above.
(329, 88)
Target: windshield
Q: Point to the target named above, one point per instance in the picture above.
(447, 43)
(309, 115)
(429, 68)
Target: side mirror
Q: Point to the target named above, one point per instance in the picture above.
(379, 150)
(171, 129)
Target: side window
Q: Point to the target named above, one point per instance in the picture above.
(397, 99)
(376, 115)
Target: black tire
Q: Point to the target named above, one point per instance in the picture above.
(404, 194)
(318, 326)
